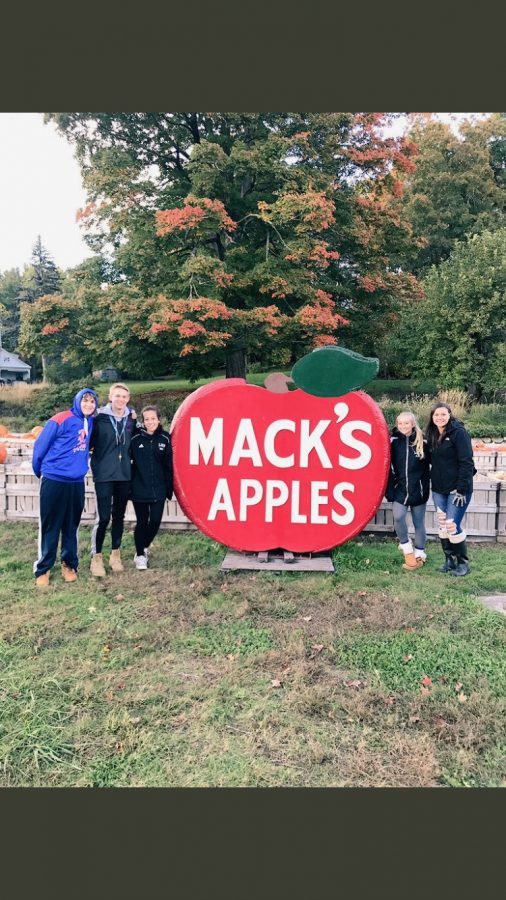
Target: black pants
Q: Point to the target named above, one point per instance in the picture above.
(149, 516)
(112, 498)
(61, 508)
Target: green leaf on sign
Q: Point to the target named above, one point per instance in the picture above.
(333, 371)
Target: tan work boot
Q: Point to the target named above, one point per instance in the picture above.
(42, 580)
(411, 561)
(68, 573)
(115, 561)
(97, 565)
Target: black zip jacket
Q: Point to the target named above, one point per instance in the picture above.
(152, 473)
(408, 482)
(452, 466)
(110, 460)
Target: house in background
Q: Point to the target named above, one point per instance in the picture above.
(110, 373)
(12, 368)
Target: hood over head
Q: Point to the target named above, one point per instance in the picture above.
(76, 403)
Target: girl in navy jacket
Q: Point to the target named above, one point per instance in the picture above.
(408, 486)
(152, 480)
(60, 460)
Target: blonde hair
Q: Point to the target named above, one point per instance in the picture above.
(418, 441)
(120, 386)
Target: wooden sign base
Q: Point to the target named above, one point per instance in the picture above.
(278, 561)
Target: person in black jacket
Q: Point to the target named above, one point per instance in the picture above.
(452, 471)
(112, 470)
(408, 486)
(152, 480)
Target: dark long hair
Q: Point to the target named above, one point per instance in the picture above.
(432, 431)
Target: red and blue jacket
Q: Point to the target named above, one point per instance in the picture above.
(61, 451)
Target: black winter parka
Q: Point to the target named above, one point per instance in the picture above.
(152, 470)
(408, 482)
(452, 466)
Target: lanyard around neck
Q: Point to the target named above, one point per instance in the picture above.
(119, 432)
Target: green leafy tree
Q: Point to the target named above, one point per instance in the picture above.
(457, 333)
(11, 285)
(258, 233)
(50, 328)
(457, 187)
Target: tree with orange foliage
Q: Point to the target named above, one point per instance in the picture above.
(263, 234)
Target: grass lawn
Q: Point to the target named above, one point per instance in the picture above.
(185, 676)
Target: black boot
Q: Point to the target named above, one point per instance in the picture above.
(449, 563)
(462, 567)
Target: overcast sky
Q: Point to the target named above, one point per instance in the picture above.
(40, 192)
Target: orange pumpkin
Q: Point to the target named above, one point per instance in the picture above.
(3, 431)
(3, 453)
(28, 435)
(37, 430)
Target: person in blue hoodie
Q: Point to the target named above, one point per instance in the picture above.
(60, 460)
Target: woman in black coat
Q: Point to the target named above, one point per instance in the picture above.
(152, 480)
(451, 475)
(408, 486)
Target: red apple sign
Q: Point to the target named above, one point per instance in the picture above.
(257, 470)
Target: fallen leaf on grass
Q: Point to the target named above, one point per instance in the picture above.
(362, 593)
(92, 609)
(462, 698)
(439, 722)
(121, 686)
(409, 630)
(424, 691)
(414, 719)
(135, 720)
(276, 683)
(306, 618)
(408, 657)
(355, 684)
(388, 701)
(426, 680)
(109, 695)
(231, 656)
(119, 747)
(317, 647)
(106, 648)
(119, 597)
(459, 686)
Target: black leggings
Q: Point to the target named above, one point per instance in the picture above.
(112, 498)
(149, 516)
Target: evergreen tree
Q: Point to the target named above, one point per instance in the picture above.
(46, 277)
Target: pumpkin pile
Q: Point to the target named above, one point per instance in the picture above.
(6, 436)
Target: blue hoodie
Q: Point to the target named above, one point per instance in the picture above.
(61, 451)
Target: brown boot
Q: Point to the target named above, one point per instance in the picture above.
(115, 561)
(68, 573)
(411, 561)
(97, 566)
(43, 580)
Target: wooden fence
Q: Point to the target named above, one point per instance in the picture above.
(485, 517)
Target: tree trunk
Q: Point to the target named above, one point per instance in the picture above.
(475, 391)
(235, 363)
(44, 365)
